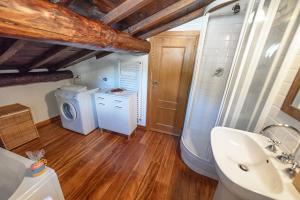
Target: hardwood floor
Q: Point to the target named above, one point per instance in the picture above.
(107, 166)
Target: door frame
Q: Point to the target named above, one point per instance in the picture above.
(150, 67)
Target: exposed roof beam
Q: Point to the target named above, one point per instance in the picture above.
(87, 9)
(74, 59)
(216, 5)
(105, 5)
(49, 55)
(62, 2)
(179, 21)
(102, 54)
(182, 20)
(44, 21)
(124, 10)
(11, 51)
(8, 79)
(173, 24)
(81, 58)
(161, 16)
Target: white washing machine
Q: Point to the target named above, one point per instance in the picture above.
(76, 107)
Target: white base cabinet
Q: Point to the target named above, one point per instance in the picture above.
(117, 112)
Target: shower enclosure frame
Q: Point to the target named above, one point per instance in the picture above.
(198, 164)
(291, 52)
(253, 16)
(272, 10)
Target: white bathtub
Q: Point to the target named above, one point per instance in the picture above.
(16, 182)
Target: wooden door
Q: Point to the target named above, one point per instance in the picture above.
(170, 73)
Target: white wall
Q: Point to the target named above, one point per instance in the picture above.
(194, 25)
(93, 71)
(39, 97)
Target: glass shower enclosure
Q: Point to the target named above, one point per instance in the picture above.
(232, 80)
(219, 38)
(258, 62)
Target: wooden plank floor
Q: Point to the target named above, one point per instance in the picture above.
(107, 166)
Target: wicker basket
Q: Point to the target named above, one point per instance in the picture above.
(16, 126)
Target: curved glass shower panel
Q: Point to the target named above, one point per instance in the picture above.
(221, 38)
(252, 31)
(262, 62)
(270, 62)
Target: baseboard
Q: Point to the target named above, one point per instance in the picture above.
(164, 132)
(46, 122)
(143, 128)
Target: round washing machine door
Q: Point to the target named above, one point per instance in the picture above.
(68, 111)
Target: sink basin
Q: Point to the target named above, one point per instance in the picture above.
(246, 169)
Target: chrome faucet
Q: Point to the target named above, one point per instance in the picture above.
(273, 146)
(288, 158)
(291, 171)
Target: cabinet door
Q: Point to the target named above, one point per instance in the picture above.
(121, 122)
(104, 114)
(113, 113)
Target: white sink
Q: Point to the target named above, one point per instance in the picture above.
(246, 169)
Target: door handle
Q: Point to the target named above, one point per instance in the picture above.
(155, 83)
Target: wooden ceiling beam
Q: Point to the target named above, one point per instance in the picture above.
(173, 24)
(86, 9)
(9, 79)
(49, 55)
(48, 22)
(102, 54)
(182, 20)
(105, 5)
(62, 2)
(124, 10)
(82, 58)
(74, 59)
(12, 50)
(179, 21)
(161, 16)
